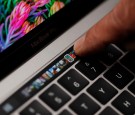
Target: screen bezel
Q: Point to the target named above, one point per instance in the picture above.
(12, 58)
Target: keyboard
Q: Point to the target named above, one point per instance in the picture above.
(102, 84)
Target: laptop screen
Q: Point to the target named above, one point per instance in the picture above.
(19, 17)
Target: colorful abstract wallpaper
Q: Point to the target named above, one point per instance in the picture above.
(18, 17)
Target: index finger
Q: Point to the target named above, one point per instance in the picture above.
(112, 27)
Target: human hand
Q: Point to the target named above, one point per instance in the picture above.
(116, 26)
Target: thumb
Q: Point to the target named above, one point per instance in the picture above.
(113, 27)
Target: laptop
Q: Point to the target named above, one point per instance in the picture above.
(40, 72)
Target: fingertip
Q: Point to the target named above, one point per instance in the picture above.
(78, 45)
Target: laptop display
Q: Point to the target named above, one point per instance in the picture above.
(19, 17)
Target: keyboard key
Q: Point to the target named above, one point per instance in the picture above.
(65, 112)
(109, 55)
(90, 68)
(6, 108)
(125, 103)
(132, 87)
(129, 61)
(55, 97)
(102, 91)
(108, 111)
(84, 105)
(35, 108)
(73, 81)
(119, 76)
(12, 103)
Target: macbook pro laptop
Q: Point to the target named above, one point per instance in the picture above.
(40, 74)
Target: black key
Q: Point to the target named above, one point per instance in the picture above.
(125, 103)
(35, 108)
(8, 107)
(73, 81)
(109, 55)
(55, 97)
(102, 91)
(90, 68)
(108, 111)
(65, 112)
(84, 105)
(119, 76)
(12, 103)
(129, 61)
(132, 87)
